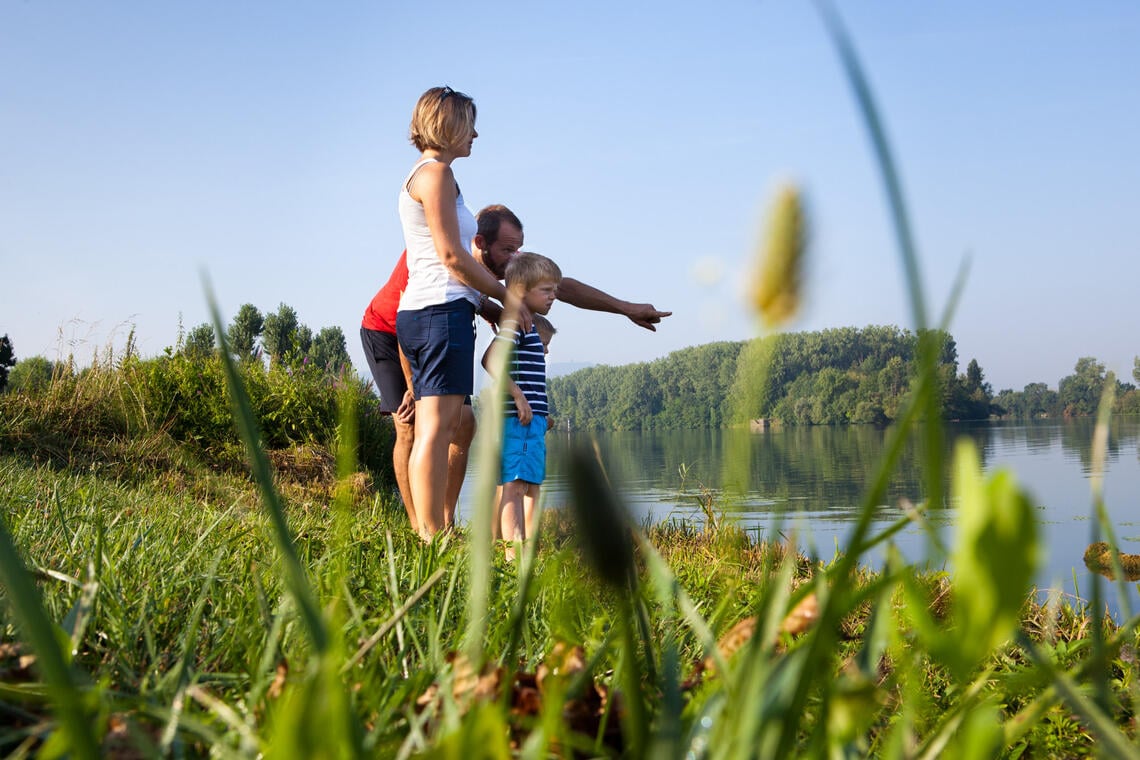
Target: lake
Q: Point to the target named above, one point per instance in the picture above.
(811, 480)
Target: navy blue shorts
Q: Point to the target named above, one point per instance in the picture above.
(524, 450)
(383, 356)
(439, 342)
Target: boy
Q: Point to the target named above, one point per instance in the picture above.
(532, 280)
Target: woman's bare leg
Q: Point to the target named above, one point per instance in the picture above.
(436, 420)
(457, 454)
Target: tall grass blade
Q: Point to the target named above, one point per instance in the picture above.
(485, 512)
(40, 633)
(296, 580)
(78, 618)
(1102, 525)
(389, 624)
(880, 145)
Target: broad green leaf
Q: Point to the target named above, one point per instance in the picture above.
(996, 554)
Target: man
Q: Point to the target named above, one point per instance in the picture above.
(499, 236)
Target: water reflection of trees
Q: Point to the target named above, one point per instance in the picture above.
(813, 467)
(1077, 437)
(822, 468)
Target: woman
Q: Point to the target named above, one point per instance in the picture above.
(435, 323)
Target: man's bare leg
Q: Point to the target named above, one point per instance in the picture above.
(401, 453)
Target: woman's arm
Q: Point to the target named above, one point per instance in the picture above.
(434, 187)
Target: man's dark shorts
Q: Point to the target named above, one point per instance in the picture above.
(383, 355)
(439, 342)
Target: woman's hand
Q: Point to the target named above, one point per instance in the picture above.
(516, 311)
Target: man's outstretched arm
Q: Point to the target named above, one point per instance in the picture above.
(578, 293)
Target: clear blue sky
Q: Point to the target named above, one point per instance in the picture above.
(265, 141)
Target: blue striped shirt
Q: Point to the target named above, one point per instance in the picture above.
(527, 367)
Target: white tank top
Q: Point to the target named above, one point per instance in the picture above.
(429, 281)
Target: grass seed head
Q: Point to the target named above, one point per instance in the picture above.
(776, 288)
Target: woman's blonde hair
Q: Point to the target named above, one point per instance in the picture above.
(443, 119)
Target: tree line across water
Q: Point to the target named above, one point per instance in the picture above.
(834, 376)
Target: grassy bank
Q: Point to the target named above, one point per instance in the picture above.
(181, 636)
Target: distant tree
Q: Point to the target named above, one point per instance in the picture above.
(329, 350)
(1040, 401)
(279, 338)
(635, 399)
(32, 375)
(244, 332)
(975, 380)
(302, 340)
(7, 359)
(1079, 393)
(200, 342)
(972, 396)
(1128, 402)
(1136, 369)
(1006, 402)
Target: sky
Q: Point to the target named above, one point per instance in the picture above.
(263, 144)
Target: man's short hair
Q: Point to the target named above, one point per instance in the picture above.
(443, 119)
(525, 270)
(545, 329)
(491, 218)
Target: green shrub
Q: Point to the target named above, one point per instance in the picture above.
(107, 410)
(31, 375)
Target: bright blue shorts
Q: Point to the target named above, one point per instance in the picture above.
(439, 342)
(524, 450)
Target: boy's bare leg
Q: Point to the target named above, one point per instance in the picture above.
(511, 514)
(530, 508)
(457, 454)
(496, 516)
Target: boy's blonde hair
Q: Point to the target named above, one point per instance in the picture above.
(526, 270)
(443, 119)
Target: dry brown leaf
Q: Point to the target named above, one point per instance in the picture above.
(428, 696)
(802, 617)
(279, 679)
(469, 683)
(564, 662)
(732, 641)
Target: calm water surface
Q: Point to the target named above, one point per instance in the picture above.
(810, 480)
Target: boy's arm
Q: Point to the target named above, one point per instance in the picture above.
(578, 293)
(503, 342)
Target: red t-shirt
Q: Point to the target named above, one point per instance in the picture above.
(381, 312)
